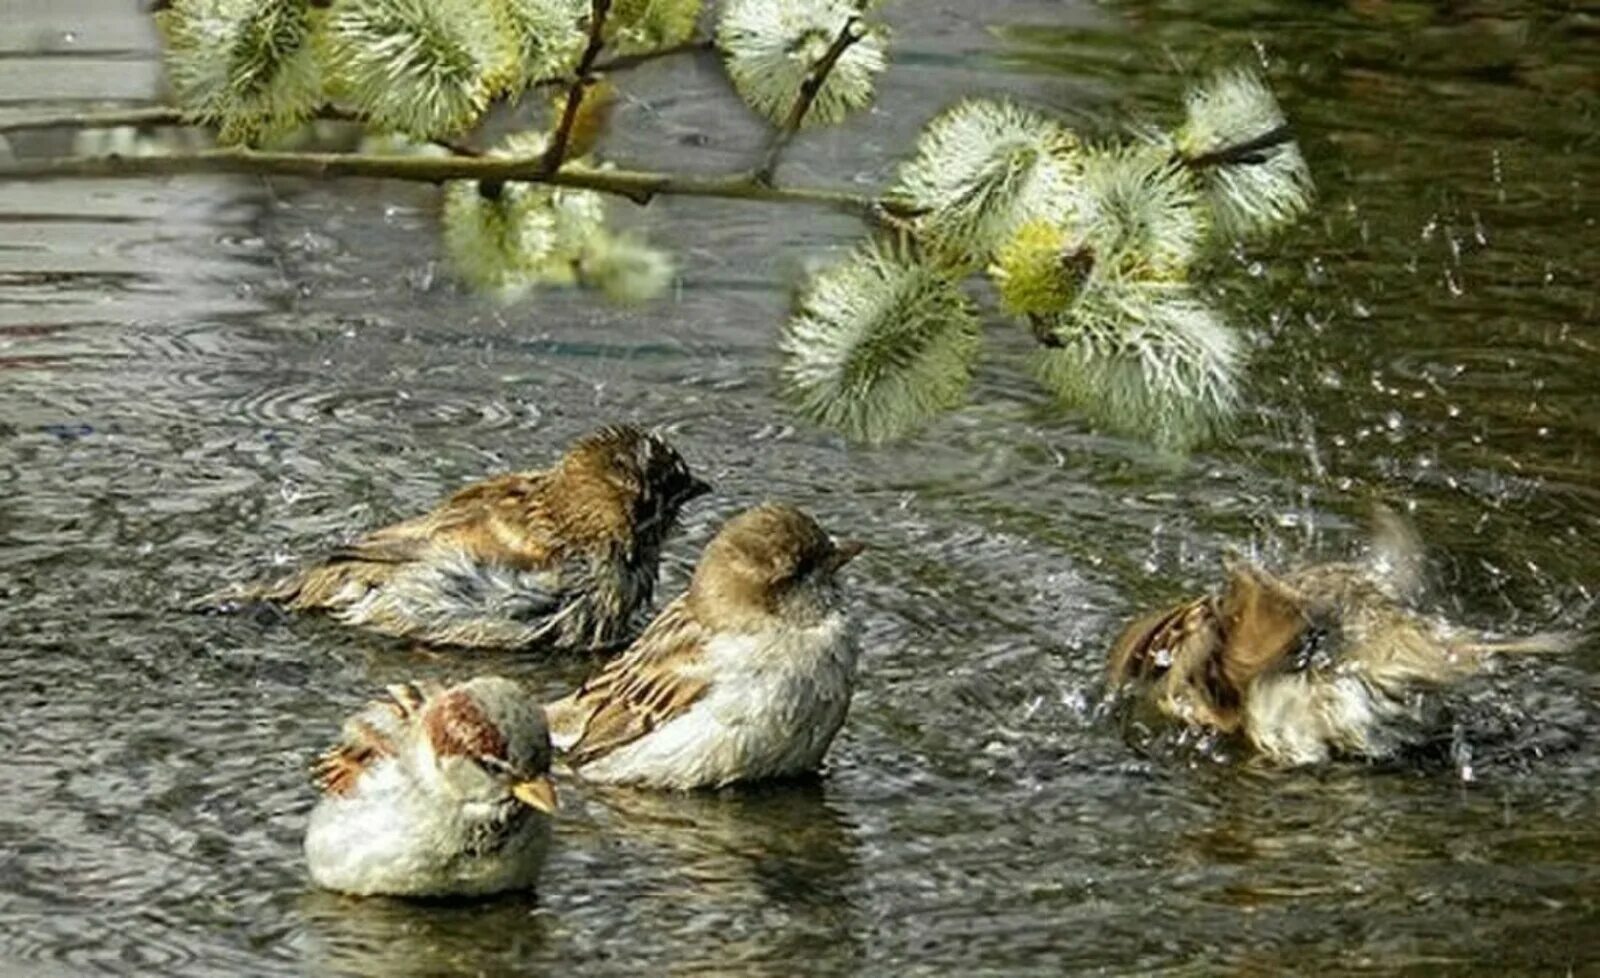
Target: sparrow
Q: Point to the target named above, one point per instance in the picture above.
(561, 557)
(435, 791)
(1327, 661)
(745, 676)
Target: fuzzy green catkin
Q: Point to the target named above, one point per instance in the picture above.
(1150, 360)
(524, 235)
(638, 26)
(1140, 212)
(549, 36)
(498, 243)
(626, 269)
(248, 67)
(521, 234)
(771, 46)
(1269, 190)
(984, 168)
(426, 68)
(879, 343)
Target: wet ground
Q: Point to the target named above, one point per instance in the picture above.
(200, 378)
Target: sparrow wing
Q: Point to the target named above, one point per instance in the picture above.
(1264, 620)
(503, 520)
(1168, 638)
(657, 679)
(371, 735)
(1199, 657)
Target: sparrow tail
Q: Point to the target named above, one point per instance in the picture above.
(1539, 643)
(238, 597)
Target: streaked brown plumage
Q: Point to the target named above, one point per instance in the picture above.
(562, 557)
(747, 675)
(1322, 662)
(654, 682)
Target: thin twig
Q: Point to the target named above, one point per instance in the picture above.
(854, 30)
(637, 185)
(1249, 152)
(557, 153)
(625, 61)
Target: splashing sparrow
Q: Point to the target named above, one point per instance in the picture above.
(1321, 662)
(435, 792)
(747, 675)
(561, 557)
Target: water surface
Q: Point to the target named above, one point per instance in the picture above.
(200, 378)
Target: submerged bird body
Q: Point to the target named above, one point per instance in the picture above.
(563, 557)
(746, 676)
(435, 792)
(1327, 661)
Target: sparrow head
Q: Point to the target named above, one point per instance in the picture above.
(771, 564)
(489, 743)
(639, 466)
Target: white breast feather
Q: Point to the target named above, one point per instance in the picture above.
(776, 701)
(391, 837)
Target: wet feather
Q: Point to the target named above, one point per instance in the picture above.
(1329, 661)
(564, 557)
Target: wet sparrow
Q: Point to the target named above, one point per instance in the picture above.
(748, 675)
(561, 557)
(1325, 661)
(435, 792)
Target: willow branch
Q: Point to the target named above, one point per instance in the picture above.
(557, 153)
(1248, 151)
(639, 186)
(853, 31)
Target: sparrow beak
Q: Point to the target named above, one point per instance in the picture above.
(537, 793)
(845, 551)
(697, 488)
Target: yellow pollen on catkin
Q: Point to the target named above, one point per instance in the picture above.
(1032, 270)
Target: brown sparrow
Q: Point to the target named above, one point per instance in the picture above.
(435, 792)
(1326, 661)
(561, 557)
(747, 675)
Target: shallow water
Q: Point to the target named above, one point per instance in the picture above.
(200, 378)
